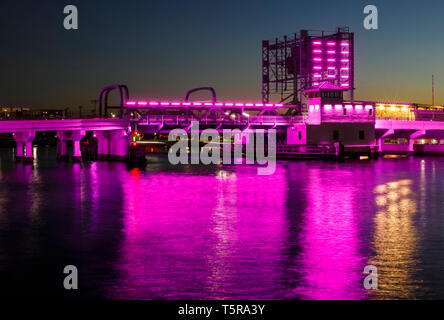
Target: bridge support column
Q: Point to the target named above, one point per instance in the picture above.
(112, 145)
(382, 138)
(24, 143)
(413, 136)
(75, 136)
(103, 138)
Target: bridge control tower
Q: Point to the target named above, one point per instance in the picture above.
(293, 64)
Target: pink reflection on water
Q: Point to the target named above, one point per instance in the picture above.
(202, 236)
(330, 263)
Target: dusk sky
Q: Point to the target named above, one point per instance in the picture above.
(160, 49)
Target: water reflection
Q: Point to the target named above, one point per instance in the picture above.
(330, 263)
(396, 240)
(215, 236)
(223, 232)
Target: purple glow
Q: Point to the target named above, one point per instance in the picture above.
(358, 107)
(331, 52)
(230, 228)
(317, 43)
(327, 107)
(331, 43)
(317, 51)
(317, 67)
(317, 59)
(331, 68)
(338, 106)
(345, 52)
(345, 60)
(333, 223)
(331, 60)
(345, 85)
(131, 103)
(345, 44)
(154, 103)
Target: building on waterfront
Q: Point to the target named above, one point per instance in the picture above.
(22, 113)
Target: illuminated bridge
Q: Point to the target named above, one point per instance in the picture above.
(116, 123)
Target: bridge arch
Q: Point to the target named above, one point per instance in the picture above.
(103, 100)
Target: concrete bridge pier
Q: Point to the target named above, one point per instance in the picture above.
(414, 136)
(62, 147)
(24, 141)
(112, 145)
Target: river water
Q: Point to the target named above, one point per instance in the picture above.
(222, 232)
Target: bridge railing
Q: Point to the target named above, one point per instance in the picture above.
(437, 119)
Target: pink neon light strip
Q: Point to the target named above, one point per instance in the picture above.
(317, 43)
(331, 43)
(345, 44)
(184, 103)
